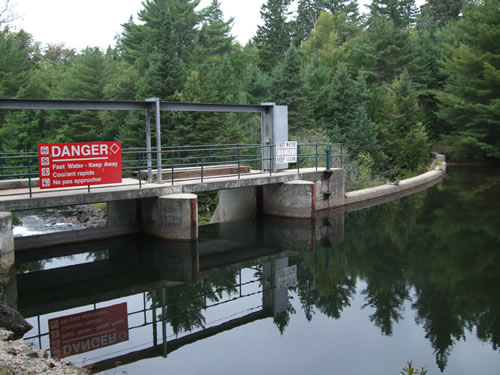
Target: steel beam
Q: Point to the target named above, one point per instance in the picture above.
(99, 105)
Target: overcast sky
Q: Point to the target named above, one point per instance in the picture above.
(82, 23)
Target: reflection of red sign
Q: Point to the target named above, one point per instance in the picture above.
(82, 332)
(79, 164)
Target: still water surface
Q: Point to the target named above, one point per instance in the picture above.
(353, 293)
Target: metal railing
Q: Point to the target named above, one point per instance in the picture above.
(175, 161)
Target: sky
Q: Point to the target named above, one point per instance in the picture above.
(82, 23)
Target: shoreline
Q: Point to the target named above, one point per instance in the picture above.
(20, 358)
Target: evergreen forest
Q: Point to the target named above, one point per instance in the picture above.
(391, 82)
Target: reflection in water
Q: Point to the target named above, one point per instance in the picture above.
(435, 251)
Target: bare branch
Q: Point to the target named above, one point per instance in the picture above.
(6, 13)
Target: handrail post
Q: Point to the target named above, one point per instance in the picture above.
(328, 157)
(239, 162)
(29, 176)
(341, 156)
(316, 151)
(201, 167)
(298, 158)
(140, 172)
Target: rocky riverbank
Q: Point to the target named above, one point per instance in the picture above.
(59, 219)
(20, 358)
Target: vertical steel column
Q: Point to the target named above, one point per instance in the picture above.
(158, 138)
(148, 147)
(164, 320)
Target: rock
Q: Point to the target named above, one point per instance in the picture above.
(5, 370)
(31, 353)
(12, 321)
(12, 351)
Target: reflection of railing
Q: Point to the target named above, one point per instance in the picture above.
(153, 312)
(174, 161)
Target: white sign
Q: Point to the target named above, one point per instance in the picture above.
(286, 277)
(286, 152)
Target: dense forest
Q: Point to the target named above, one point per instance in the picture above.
(391, 83)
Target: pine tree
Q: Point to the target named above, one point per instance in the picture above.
(18, 58)
(381, 51)
(442, 11)
(214, 39)
(349, 7)
(274, 37)
(85, 80)
(470, 101)
(288, 90)
(345, 97)
(401, 12)
(404, 137)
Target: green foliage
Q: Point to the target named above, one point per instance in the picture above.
(273, 38)
(410, 370)
(340, 74)
(470, 101)
(288, 88)
(401, 12)
(404, 137)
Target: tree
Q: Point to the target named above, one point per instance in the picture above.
(288, 90)
(6, 13)
(442, 11)
(308, 12)
(401, 12)
(274, 37)
(214, 39)
(470, 101)
(345, 97)
(381, 51)
(403, 135)
(18, 58)
(85, 79)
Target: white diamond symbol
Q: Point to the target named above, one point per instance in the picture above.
(114, 148)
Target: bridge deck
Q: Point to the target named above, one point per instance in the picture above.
(19, 199)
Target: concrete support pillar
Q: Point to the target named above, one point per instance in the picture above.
(173, 217)
(122, 212)
(274, 298)
(235, 204)
(290, 199)
(6, 241)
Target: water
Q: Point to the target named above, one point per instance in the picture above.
(413, 279)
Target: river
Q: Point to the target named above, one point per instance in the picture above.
(415, 279)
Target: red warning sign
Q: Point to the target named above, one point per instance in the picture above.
(79, 164)
(90, 330)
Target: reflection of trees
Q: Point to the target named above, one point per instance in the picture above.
(98, 255)
(185, 303)
(36, 265)
(442, 242)
(282, 319)
(325, 283)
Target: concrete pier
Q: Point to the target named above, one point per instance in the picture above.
(290, 199)
(172, 217)
(123, 212)
(6, 241)
(235, 204)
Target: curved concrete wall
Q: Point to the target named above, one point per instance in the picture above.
(391, 189)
